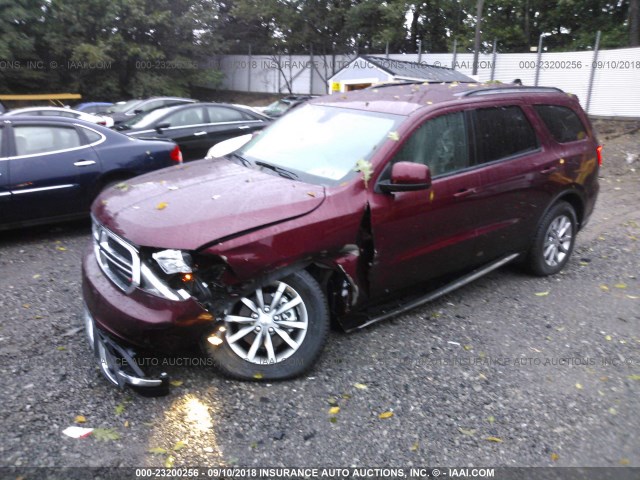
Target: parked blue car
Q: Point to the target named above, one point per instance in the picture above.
(93, 107)
(51, 168)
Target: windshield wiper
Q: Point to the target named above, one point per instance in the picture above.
(241, 158)
(283, 172)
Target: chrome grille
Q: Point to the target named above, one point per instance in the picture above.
(118, 259)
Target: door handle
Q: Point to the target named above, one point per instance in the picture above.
(465, 192)
(84, 163)
(197, 134)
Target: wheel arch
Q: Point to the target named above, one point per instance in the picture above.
(573, 198)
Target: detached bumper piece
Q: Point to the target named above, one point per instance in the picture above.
(117, 363)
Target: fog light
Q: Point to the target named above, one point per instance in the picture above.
(214, 340)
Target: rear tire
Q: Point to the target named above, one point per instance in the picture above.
(554, 240)
(276, 332)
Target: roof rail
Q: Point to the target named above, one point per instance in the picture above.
(512, 89)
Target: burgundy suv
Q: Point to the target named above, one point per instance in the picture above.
(352, 208)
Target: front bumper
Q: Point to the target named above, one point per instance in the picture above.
(118, 322)
(116, 363)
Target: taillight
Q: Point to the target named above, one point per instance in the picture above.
(176, 154)
(599, 153)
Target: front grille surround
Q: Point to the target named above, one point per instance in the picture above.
(118, 259)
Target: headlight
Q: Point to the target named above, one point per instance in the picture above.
(173, 261)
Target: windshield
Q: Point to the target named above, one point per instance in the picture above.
(123, 107)
(145, 119)
(321, 143)
(280, 106)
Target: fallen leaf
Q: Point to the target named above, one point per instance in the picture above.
(633, 297)
(467, 431)
(579, 386)
(366, 169)
(555, 457)
(604, 288)
(542, 294)
(36, 276)
(179, 446)
(634, 377)
(122, 186)
(162, 206)
(384, 415)
(333, 419)
(168, 463)
(119, 410)
(491, 419)
(61, 249)
(26, 305)
(311, 194)
(334, 410)
(415, 446)
(613, 411)
(61, 349)
(176, 383)
(157, 451)
(624, 461)
(607, 338)
(394, 136)
(126, 423)
(105, 434)
(80, 419)
(620, 285)
(346, 396)
(494, 439)
(360, 386)
(468, 347)
(332, 401)
(257, 376)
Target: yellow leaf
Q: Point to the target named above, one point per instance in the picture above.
(491, 419)
(126, 423)
(162, 206)
(415, 446)
(168, 463)
(604, 288)
(176, 383)
(179, 446)
(470, 432)
(384, 415)
(495, 439)
(334, 410)
(468, 347)
(62, 249)
(613, 411)
(119, 409)
(360, 386)
(36, 276)
(311, 194)
(542, 294)
(621, 285)
(394, 136)
(634, 377)
(80, 419)
(157, 451)
(555, 457)
(257, 376)
(608, 338)
(579, 386)
(624, 461)
(61, 349)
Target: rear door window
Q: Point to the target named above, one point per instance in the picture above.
(502, 132)
(562, 122)
(224, 114)
(38, 139)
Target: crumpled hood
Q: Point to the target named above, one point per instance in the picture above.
(193, 204)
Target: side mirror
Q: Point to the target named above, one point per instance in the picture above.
(407, 177)
(162, 126)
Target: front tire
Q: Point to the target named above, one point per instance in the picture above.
(274, 333)
(554, 240)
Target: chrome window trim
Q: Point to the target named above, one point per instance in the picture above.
(53, 152)
(215, 124)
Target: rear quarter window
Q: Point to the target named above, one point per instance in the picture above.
(563, 123)
(502, 132)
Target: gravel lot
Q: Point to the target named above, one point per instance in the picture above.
(509, 371)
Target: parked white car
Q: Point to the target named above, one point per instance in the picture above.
(62, 112)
